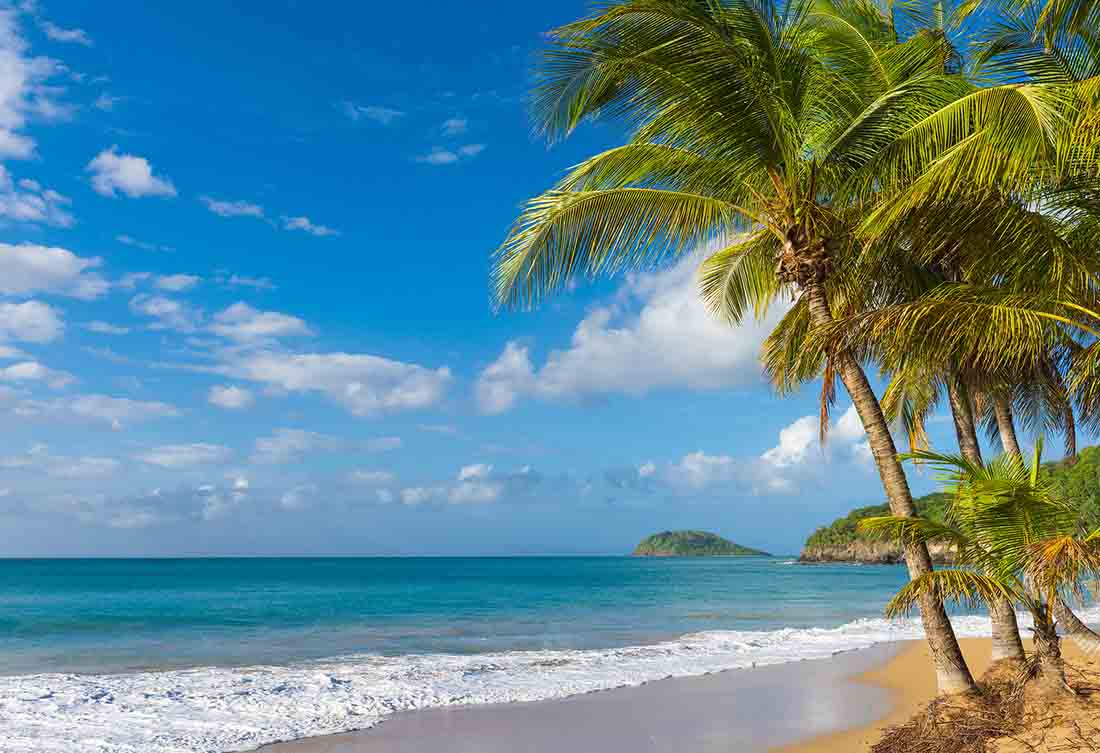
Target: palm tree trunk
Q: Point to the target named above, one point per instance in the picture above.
(1007, 644)
(1071, 435)
(952, 674)
(963, 417)
(1005, 427)
(1048, 652)
(1075, 630)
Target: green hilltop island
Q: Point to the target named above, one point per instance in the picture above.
(842, 541)
(692, 544)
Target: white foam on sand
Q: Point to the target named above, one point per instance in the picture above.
(215, 710)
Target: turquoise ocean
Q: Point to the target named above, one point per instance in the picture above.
(136, 656)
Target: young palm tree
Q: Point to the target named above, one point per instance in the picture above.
(772, 123)
(1015, 542)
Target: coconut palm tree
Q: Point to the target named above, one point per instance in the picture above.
(1015, 542)
(771, 127)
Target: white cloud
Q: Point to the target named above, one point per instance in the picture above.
(698, 469)
(372, 477)
(106, 102)
(144, 245)
(39, 460)
(114, 173)
(258, 283)
(288, 444)
(106, 328)
(168, 313)
(59, 34)
(655, 335)
(440, 156)
(176, 283)
(475, 471)
(185, 455)
(417, 495)
(27, 268)
(31, 321)
(242, 323)
(229, 397)
(454, 126)
(33, 371)
(796, 442)
(382, 444)
(298, 497)
(365, 385)
(376, 113)
(304, 223)
(232, 208)
(24, 89)
(114, 411)
(28, 202)
(8, 353)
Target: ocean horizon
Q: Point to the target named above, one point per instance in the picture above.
(221, 654)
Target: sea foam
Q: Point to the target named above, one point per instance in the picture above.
(233, 709)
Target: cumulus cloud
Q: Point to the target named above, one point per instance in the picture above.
(167, 313)
(106, 102)
(176, 283)
(114, 173)
(375, 113)
(285, 445)
(365, 385)
(177, 456)
(477, 483)
(656, 334)
(796, 456)
(229, 397)
(304, 224)
(39, 460)
(25, 91)
(33, 371)
(232, 208)
(27, 201)
(114, 411)
(241, 281)
(245, 324)
(28, 268)
(31, 321)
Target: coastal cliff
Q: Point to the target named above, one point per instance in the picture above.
(869, 553)
(841, 540)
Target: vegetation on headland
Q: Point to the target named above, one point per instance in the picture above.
(692, 544)
(920, 180)
(842, 541)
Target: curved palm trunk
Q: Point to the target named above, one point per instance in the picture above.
(1075, 630)
(963, 416)
(1005, 427)
(952, 674)
(1007, 644)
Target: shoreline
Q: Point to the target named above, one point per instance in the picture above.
(839, 704)
(745, 710)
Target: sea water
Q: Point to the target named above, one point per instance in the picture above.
(137, 656)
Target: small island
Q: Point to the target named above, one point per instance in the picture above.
(692, 544)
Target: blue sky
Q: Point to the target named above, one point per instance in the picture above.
(244, 306)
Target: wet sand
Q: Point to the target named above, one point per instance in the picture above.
(738, 711)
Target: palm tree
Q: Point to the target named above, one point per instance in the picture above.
(770, 126)
(1015, 543)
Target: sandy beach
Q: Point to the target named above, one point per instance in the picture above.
(836, 705)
